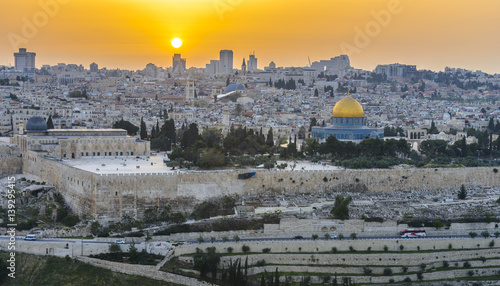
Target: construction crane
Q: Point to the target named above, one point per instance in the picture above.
(309, 61)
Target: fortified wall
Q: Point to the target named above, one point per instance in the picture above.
(111, 196)
(10, 160)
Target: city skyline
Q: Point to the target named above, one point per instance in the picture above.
(456, 34)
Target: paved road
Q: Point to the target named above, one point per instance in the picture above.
(207, 240)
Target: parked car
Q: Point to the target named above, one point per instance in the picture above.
(118, 241)
(298, 237)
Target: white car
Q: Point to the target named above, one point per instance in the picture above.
(118, 241)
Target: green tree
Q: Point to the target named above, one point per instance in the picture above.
(438, 224)
(270, 139)
(144, 131)
(485, 234)
(462, 194)
(190, 136)
(238, 109)
(211, 136)
(340, 208)
(123, 124)
(433, 129)
(114, 248)
(13, 96)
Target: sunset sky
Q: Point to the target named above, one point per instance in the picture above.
(129, 34)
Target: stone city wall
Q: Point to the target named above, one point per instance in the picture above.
(109, 197)
(10, 160)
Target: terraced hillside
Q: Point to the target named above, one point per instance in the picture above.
(362, 262)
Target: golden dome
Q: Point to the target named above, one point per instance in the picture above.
(348, 107)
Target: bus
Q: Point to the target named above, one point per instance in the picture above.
(413, 233)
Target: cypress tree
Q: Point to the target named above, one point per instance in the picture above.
(270, 140)
(50, 124)
(144, 131)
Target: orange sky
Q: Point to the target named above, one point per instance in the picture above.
(132, 33)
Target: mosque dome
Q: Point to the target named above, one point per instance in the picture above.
(36, 124)
(348, 107)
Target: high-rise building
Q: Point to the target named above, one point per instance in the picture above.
(226, 62)
(397, 70)
(94, 67)
(252, 63)
(24, 59)
(212, 68)
(178, 63)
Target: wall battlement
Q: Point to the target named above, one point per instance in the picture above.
(111, 196)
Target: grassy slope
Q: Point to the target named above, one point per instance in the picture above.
(48, 271)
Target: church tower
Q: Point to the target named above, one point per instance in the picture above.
(190, 89)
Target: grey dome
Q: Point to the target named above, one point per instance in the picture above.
(36, 124)
(234, 86)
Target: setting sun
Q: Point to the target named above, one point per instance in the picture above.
(176, 43)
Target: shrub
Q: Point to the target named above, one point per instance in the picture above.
(387, 271)
(485, 234)
(114, 248)
(266, 250)
(401, 247)
(230, 250)
(438, 224)
(391, 280)
(200, 239)
(405, 269)
(236, 238)
(420, 275)
(340, 236)
(327, 236)
(334, 249)
(470, 273)
(314, 236)
(351, 248)
(407, 279)
(354, 235)
(369, 249)
(212, 239)
(367, 271)
(466, 264)
(445, 264)
(472, 234)
(245, 248)
(225, 239)
(492, 243)
(450, 246)
(386, 248)
(483, 259)
(422, 266)
(260, 263)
